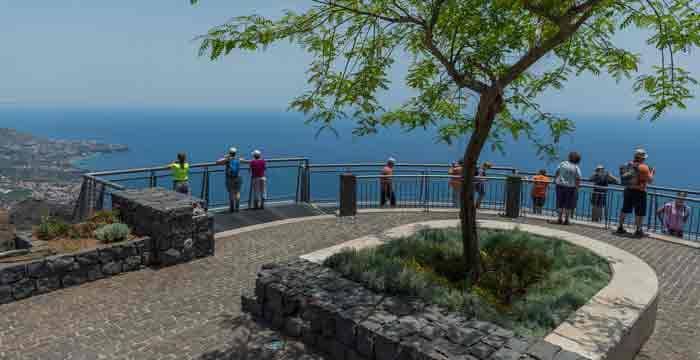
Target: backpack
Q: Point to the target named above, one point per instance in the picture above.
(629, 174)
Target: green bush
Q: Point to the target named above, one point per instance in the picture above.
(104, 217)
(112, 233)
(530, 283)
(51, 228)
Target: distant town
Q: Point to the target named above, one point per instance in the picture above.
(43, 168)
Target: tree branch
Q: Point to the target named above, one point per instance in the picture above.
(537, 52)
(395, 20)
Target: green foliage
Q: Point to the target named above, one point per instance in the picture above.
(104, 217)
(112, 233)
(460, 49)
(531, 283)
(52, 228)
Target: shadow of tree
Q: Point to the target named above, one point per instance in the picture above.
(254, 340)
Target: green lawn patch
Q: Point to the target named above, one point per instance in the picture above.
(530, 284)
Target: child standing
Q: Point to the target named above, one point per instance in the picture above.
(539, 191)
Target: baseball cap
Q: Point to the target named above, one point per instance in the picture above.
(640, 153)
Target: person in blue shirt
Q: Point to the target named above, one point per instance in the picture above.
(233, 178)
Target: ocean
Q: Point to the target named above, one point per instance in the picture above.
(154, 136)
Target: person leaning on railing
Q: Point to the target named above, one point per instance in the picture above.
(601, 179)
(568, 180)
(635, 176)
(233, 179)
(480, 182)
(539, 191)
(387, 185)
(257, 169)
(674, 215)
(181, 174)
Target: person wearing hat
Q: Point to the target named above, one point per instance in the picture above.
(601, 179)
(233, 178)
(259, 181)
(635, 175)
(386, 183)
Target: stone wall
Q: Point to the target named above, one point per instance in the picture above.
(181, 230)
(346, 321)
(19, 281)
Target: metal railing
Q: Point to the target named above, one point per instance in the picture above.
(416, 185)
(207, 182)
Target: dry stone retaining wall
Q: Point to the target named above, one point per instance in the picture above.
(179, 232)
(346, 321)
(19, 281)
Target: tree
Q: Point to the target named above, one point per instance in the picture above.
(476, 66)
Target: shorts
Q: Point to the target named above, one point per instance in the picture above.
(635, 200)
(566, 197)
(599, 199)
(183, 187)
(538, 202)
(233, 184)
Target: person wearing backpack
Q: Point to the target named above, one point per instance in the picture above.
(635, 175)
(233, 178)
(601, 179)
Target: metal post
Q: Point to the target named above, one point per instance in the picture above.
(152, 179)
(100, 197)
(348, 195)
(513, 190)
(206, 185)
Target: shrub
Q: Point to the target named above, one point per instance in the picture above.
(112, 233)
(105, 217)
(51, 228)
(530, 283)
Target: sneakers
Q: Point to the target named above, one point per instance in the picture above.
(639, 234)
(621, 231)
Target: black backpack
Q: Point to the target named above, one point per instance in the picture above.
(629, 174)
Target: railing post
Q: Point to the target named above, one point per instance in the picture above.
(205, 188)
(100, 198)
(348, 195)
(152, 179)
(513, 191)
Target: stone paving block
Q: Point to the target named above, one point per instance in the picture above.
(23, 288)
(568, 355)
(505, 354)
(517, 344)
(88, 258)
(112, 268)
(47, 284)
(365, 336)
(74, 278)
(542, 350)
(12, 273)
(6, 294)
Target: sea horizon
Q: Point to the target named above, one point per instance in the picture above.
(154, 135)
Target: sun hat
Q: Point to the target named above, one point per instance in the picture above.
(256, 153)
(391, 160)
(232, 150)
(600, 167)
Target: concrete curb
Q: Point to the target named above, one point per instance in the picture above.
(614, 324)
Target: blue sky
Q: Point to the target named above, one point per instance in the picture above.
(133, 53)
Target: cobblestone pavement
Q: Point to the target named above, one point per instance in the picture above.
(188, 311)
(192, 311)
(678, 268)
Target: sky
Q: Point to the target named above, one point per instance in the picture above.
(136, 53)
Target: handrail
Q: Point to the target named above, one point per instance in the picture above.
(192, 166)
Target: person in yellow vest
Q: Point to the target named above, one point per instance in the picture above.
(181, 174)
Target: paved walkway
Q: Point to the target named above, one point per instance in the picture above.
(192, 311)
(678, 268)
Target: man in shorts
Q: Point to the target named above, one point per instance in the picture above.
(635, 176)
(233, 178)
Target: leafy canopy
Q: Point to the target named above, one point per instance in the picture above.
(459, 49)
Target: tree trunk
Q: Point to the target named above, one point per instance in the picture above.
(489, 106)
